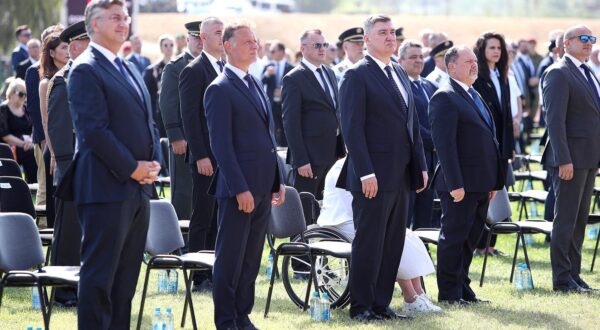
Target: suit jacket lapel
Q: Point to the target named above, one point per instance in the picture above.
(140, 82)
(410, 104)
(582, 79)
(310, 76)
(110, 68)
(474, 107)
(381, 77)
(210, 67)
(240, 85)
(333, 83)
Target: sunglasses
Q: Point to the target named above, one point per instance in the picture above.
(585, 38)
(21, 94)
(319, 45)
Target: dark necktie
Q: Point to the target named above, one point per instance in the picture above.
(419, 93)
(590, 81)
(127, 77)
(220, 63)
(254, 92)
(388, 69)
(480, 106)
(325, 86)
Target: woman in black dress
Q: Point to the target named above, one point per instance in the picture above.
(492, 85)
(15, 127)
(152, 76)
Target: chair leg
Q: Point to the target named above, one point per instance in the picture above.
(313, 274)
(526, 258)
(521, 205)
(43, 307)
(47, 262)
(141, 313)
(595, 251)
(185, 303)
(52, 292)
(189, 298)
(273, 272)
(485, 255)
(514, 262)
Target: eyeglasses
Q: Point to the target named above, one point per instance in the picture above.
(21, 94)
(585, 38)
(118, 19)
(318, 45)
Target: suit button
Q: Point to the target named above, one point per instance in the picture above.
(272, 150)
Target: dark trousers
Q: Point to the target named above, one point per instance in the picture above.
(280, 138)
(239, 246)
(27, 160)
(551, 199)
(181, 185)
(571, 213)
(484, 236)
(114, 236)
(462, 225)
(316, 185)
(66, 243)
(50, 212)
(421, 204)
(203, 223)
(380, 225)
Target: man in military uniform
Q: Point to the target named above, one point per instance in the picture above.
(399, 40)
(66, 244)
(181, 178)
(439, 76)
(353, 44)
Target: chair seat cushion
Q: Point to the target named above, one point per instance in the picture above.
(58, 275)
(535, 227)
(429, 236)
(536, 195)
(334, 248)
(198, 259)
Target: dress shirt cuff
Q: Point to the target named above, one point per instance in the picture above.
(368, 176)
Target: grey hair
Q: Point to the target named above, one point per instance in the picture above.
(94, 8)
(209, 21)
(372, 20)
(452, 54)
(406, 45)
(306, 33)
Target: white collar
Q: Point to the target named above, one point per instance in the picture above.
(311, 66)
(110, 56)
(463, 85)
(379, 63)
(238, 72)
(575, 61)
(411, 79)
(213, 60)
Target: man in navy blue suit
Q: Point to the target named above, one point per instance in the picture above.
(468, 174)
(385, 162)
(410, 58)
(116, 162)
(247, 181)
(136, 57)
(19, 54)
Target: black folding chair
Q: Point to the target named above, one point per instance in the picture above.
(9, 167)
(6, 151)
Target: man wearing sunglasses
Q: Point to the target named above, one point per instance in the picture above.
(20, 53)
(571, 96)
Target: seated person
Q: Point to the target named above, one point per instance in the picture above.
(337, 213)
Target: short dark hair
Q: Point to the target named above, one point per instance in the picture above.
(452, 55)
(406, 44)
(308, 32)
(92, 9)
(20, 29)
(232, 27)
(372, 20)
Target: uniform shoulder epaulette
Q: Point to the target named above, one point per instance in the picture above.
(59, 74)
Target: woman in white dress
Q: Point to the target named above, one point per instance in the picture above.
(337, 212)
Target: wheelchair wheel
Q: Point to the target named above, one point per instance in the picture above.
(332, 272)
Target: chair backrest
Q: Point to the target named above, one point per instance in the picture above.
(15, 196)
(287, 220)
(9, 167)
(6, 151)
(20, 243)
(164, 235)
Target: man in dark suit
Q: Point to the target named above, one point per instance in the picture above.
(272, 79)
(572, 102)
(66, 243)
(410, 55)
(385, 162)
(468, 174)
(310, 118)
(181, 180)
(117, 160)
(248, 180)
(435, 39)
(193, 81)
(33, 49)
(19, 54)
(136, 57)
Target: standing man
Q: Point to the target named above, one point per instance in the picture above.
(353, 43)
(19, 54)
(310, 118)
(248, 180)
(34, 49)
(439, 76)
(385, 162)
(116, 162)
(193, 82)
(66, 243)
(136, 57)
(572, 102)
(410, 55)
(272, 77)
(181, 180)
(469, 172)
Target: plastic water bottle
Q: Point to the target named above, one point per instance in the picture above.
(518, 278)
(533, 208)
(169, 323)
(269, 265)
(35, 298)
(592, 232)
(173, 281)
(38, 328)
(315, 307)
(163, 281)
(529, 239)
(325, 307)
(157, 320)
(29, 327)
(527, 280)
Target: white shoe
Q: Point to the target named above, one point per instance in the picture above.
(433, 308)
(417, 306)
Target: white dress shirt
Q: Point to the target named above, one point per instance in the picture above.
(213, 61)
(578, 65)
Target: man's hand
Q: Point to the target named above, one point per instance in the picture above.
(305, 171)
(278, 198)
(369, 187)
(458, 194)
(491, 195)
(204, 166)
(425, 179)
(179, 147)
(146, 172)
(27, 145)
(565, 171)
(245, 201)
(52, 164)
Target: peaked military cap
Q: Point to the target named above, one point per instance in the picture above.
(74, 32)
(193, 28)
(355, 34)
(441, 49)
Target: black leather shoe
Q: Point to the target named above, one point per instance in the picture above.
(248, 327)
(570, 287)
(455, 302)
(584, 285)
(476, 300)
(390, 314)
(366, 316)
(66, 304)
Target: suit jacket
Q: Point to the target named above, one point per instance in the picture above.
(152, 76)
(381, 137)
(422, 107)
(141, 62)
(466, 145)
(241, 137)
(270, 82)
(32, 84)
(501, 112)
(572, 117)
(114, 129)
(60, 124)
(544, 64)
(169, 96)
(19, 54)
(193, 82)
(22, 68)
(310, 119)
(428, 67)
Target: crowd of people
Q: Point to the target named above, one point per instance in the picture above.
(375, 125)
